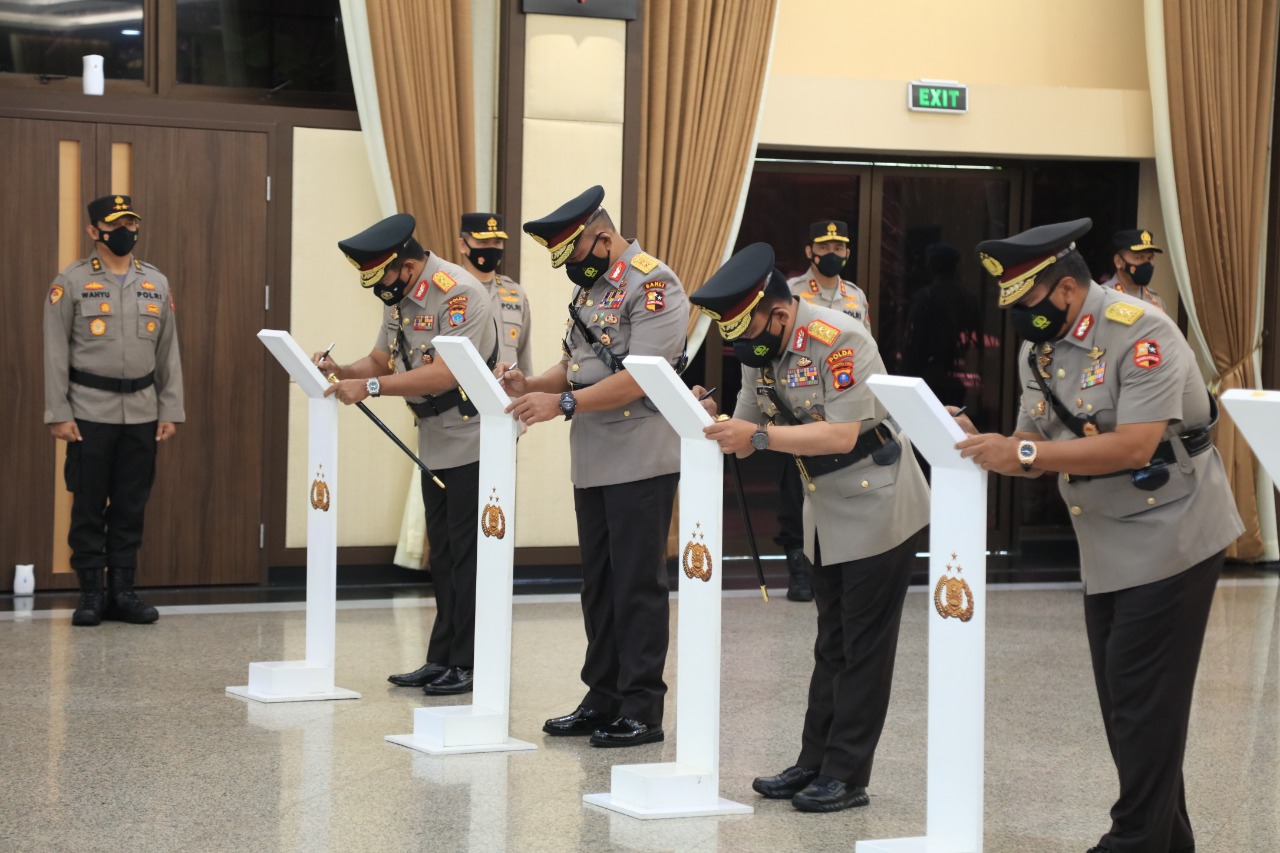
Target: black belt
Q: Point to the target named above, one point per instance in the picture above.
(438, 404)
(1196, 442)
(106, 383)
(868, 443)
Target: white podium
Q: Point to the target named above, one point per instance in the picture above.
(483, 725)
(310, 679)
(689, 787)
(957, 623)
(1257, 414)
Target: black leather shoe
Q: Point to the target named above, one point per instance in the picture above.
(799, 588)
(582, 721)
(625, 731)
(123, 604)
(828, 794)
(455, 680)
(420, 677)
(786, 784)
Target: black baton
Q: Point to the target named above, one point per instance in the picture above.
(391, 435)
(746, 520)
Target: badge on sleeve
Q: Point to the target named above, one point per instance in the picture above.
(654, 300)
(841, 364)
(55, 293)
(457, 309)
(1146, 354)
(823, 332)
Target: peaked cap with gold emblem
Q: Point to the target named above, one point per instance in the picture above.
(483, 226)
(109, 208)
(734, 290)
(375, 247)
(559, 230)
(1135, 240)
(1016, 261)
(828, 229)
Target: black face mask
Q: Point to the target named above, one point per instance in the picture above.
(1141, 273)
(761, 350)
(391, 293)
(119, 241)
(585, 272)
(485, 260)
(1040, 322)
(829, 264)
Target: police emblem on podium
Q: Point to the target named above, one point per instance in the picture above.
(320, 492)
(696, 558)
(493, 521)
(952, 597)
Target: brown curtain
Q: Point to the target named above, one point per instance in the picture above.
(1221, 67)
(704, 67)
(422, 61)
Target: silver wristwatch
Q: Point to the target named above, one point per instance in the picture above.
(373, 386)
(760, 438)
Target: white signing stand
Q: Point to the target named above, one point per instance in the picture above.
(482, 726)
(1257, 414)
(310, 679)
(689, 787)
(957, 623)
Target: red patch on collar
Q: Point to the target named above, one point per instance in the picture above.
(619, 268)
(801, 339)
(1083, 327)
(1146, 354)
(421, 290)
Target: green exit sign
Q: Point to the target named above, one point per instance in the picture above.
(938, 96)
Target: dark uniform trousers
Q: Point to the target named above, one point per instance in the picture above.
(110, 474)
(622, 531)
(859, 612)
(1145, 643)
(790, 506)
(453, 516)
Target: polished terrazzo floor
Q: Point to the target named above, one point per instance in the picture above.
(122, 738)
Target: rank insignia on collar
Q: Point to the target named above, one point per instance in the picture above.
(644, 263)
(96, 265)
(813, 286)
(801, 339)
(615, 273)
(1083, 327)
(420, 291)
(1123, 312)
(137, 265)
(824, 332)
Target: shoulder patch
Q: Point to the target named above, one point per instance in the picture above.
(1123, 312)
(823, 332)
(644, 263)
(655, 285)
(443, 280)
(55, 293)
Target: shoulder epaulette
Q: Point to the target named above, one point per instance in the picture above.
(443, 280)
(644, 263)
(823, 332)
(1123, 312)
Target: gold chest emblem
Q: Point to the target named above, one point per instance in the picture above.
(320, 492)
(493, 521)
(952, 597)
(696, 558)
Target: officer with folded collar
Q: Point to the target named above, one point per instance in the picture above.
(424, 296)
(625, 462)
(804, 393)
(113, 391)
(1133, 258)
(1113, 404)
(481, 244)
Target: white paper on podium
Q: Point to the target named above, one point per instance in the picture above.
(660, 384)
(933, 430)
(472, 374)
(293, 359)
(1257, 416)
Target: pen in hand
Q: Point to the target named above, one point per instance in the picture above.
(325, 354)
(958, 412)
(707, 393)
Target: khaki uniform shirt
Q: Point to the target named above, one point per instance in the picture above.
(848, 298)
(638, 307)
(445, 300)
(1142, 294)
(865, 509)
(1125, 363)
(95, 323)
(510, 306)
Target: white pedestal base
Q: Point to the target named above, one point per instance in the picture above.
(291, 681)
(459, 729)
(653, 791)
(909, 845)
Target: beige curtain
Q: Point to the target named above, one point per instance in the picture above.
(422, 61)
(704, 71)
(1220, 61)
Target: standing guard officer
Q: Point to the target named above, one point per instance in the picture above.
(481, 243)
(625, 462)
(804, 393)
(1113, 403)
(822, 284)
(113, 391)
(1133, 260)
(424, 296)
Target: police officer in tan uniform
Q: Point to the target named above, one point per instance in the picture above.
(113, 390)
(481, 244)
(625, 461)
(1115, 408)
(804, 393)
(822, 284)
(424, 296)
(1134, 267)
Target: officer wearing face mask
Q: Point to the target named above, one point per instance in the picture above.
(113, 391)
(804, 394)
(480, 245)
(1134, 267)
(424, 296)
(822, 284)
(1114, 407)
(625, 461)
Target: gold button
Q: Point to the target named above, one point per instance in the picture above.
(1062, 374)
(1088, 407)
(1079, 401)
(626, 413)
(575, 368)
(466, 417)
(865, 484)
(808, 403)
(590, 303)
(595, 318)
(1151, 501)
(1075, 510)
(812, 487)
